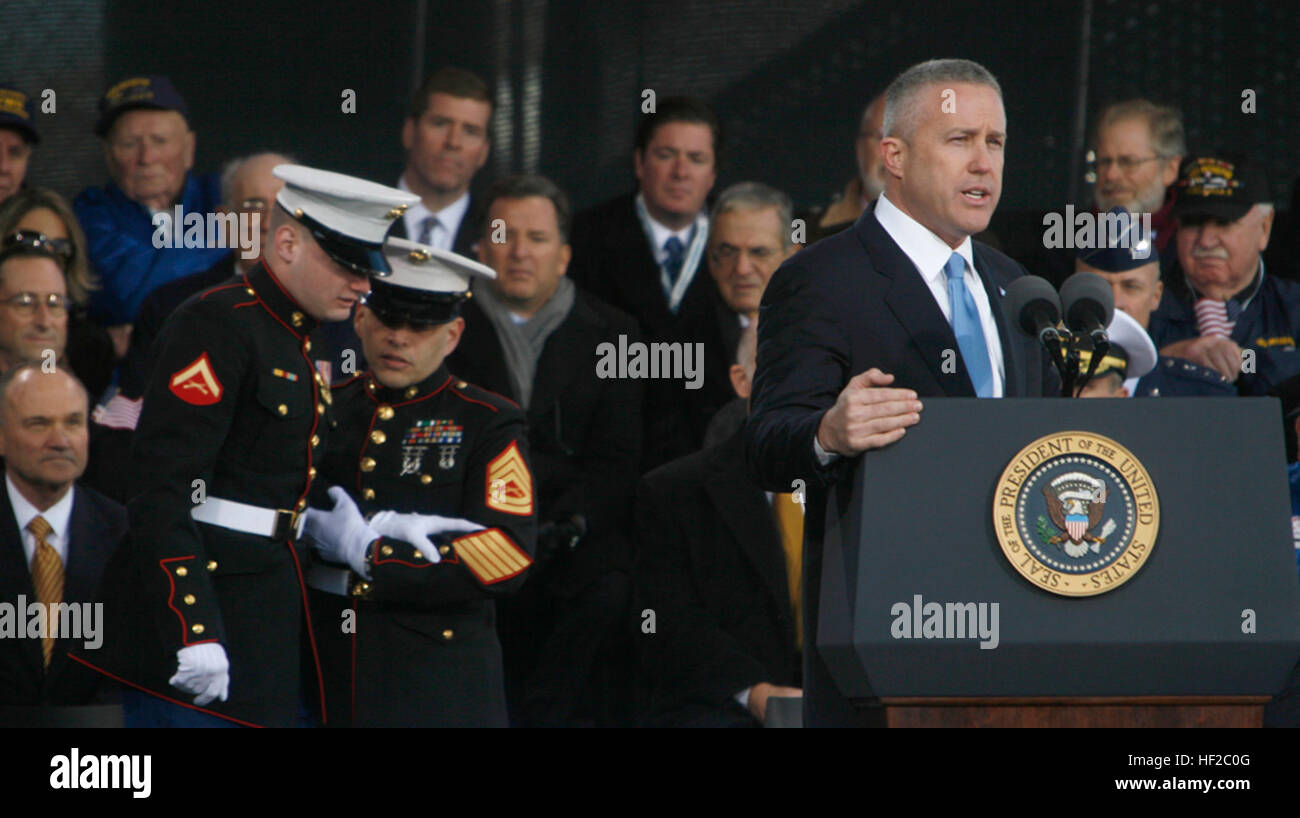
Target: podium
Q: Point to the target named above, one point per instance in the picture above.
(1066, 562)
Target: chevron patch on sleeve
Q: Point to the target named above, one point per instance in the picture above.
(491, 556)
(509, 484)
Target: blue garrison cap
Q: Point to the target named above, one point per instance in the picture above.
(1126, 248)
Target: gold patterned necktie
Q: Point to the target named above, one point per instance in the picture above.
(789, 520)
(47, 576)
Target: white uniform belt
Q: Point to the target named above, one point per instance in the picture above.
(329, 579)
(264, 522)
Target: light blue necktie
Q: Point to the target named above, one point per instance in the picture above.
(966, 326)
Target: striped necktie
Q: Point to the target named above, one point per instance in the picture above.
(789, 520)
(426, 230)
(1212, 317)
(47, 576)
(675, 256)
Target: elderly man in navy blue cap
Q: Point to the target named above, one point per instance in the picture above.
(1130, 262)
(206, 599)
(17, 138)
(149, 149)
(1221, 307)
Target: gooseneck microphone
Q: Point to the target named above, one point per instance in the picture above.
(1036, 308)
(1089, 307)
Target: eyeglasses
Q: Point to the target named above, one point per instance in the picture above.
(62, 248)
(25, 303)
(1125, 163)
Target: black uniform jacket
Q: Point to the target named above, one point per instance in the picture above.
(423, 649)
(584, 432)
(235, 410)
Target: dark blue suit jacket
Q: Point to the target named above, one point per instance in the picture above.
(96, 525)
(847, 303)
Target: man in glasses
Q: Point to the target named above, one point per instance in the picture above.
(1221, 308)
(33, 300)
(1138, 148)
(405, 619)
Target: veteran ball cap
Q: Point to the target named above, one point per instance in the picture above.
(155, 92)
(1132, 353)
(1127, 249)
(427, 285)
(348, 217)
(1221, 186)
(18, 111)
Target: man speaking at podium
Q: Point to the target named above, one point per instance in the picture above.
(903, 305)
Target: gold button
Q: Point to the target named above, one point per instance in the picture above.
(371, 386)
(448, 634)
(386, 550)
(461, 384)
(189, 599)
(197, 628)
(444, 550)
(282, 409)
(368, 494)
(417, 555)
(410, 391)
(296, 318)
(212, 565)
(311, 473)
(426, 479)
(378, 436)
(385, 412)
(249, 290)
(182, 571)
(302, 505)
(315, 441)
(320, 408)
(306, 346)
(367, 464)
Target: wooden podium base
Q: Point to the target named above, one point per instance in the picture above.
(1149, 711)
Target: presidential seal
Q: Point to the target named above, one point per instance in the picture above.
(1076, 513)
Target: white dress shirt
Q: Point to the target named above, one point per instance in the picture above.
(449, 219)
(930, 255)
(58, 516)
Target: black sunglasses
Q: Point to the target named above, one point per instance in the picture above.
(36, 240)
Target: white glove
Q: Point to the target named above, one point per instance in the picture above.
(204, 671)
(417, 528)
(341, 534)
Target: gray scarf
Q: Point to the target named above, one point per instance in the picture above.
(523, 343)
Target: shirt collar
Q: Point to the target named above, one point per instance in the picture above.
(659, 233)
(449, 217)
(57, 515)
(262, 283)
(926, 250)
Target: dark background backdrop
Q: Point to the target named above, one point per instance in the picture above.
(789, 79)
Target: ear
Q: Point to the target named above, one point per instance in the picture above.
(286, 243)
(1160, 291)
(1266, 228)
(1122, 393)
(566, 253)
(408, 133)
(1170, 171)
(893, 152)
(190, 142)
(740, 381)
(638, 164)
(454, 330)
(359, 317)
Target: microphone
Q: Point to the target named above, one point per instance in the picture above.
(1089, 306)
(1036, 308)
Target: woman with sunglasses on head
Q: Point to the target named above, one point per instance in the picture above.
(41, 219)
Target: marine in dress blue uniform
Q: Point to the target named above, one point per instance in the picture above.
(205, 600)
(404, 600)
